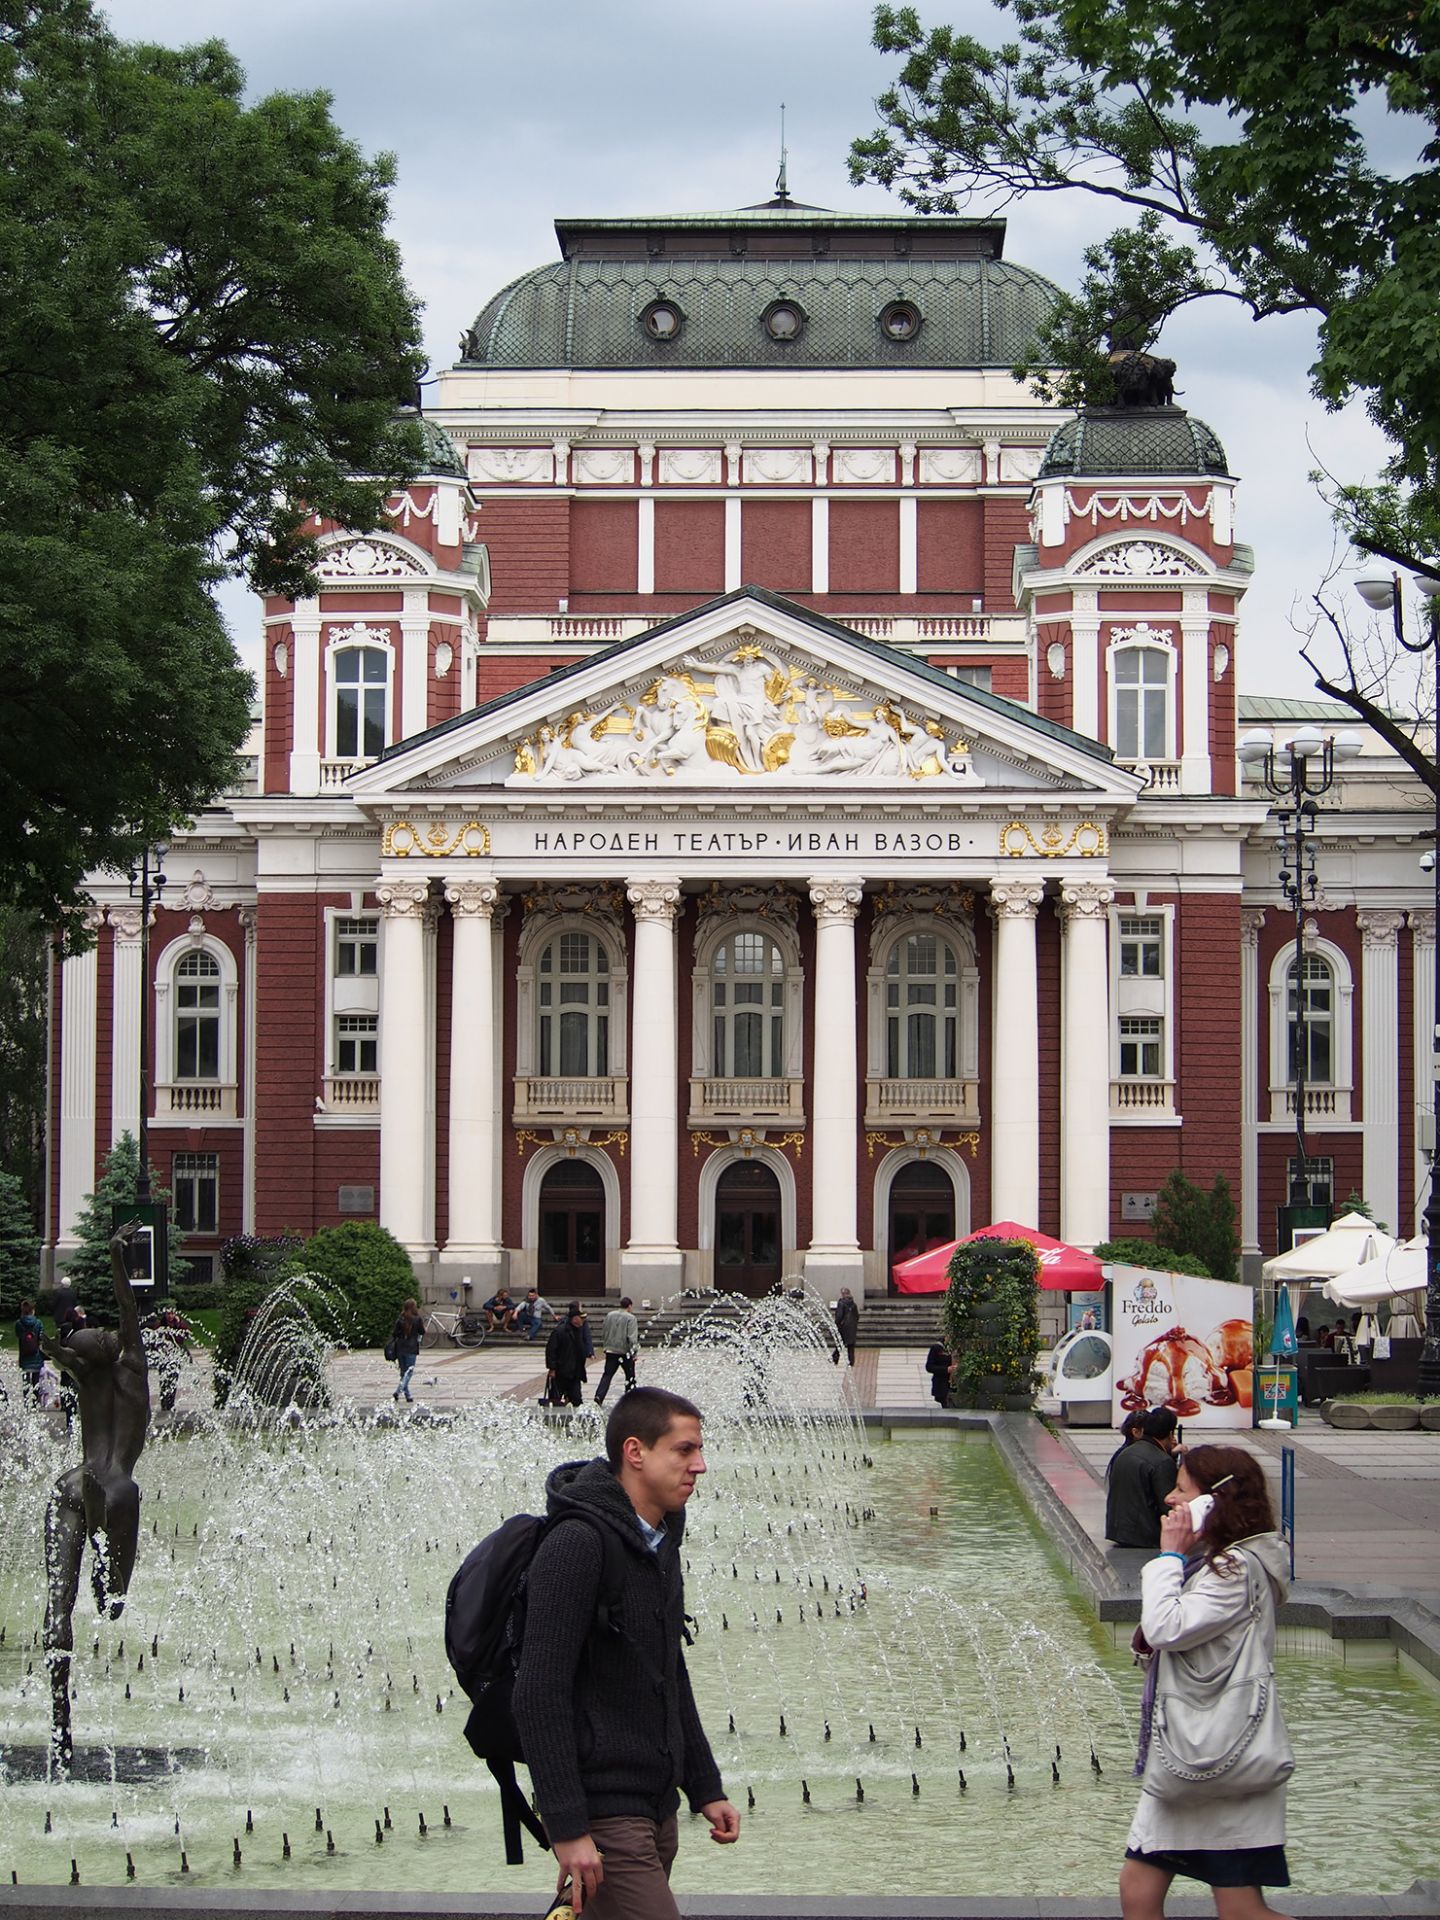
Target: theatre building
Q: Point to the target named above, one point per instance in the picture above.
(766, 802)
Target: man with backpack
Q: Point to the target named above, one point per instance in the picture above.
(29, 1332)
(602, 1700)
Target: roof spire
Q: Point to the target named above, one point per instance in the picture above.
(782, 190)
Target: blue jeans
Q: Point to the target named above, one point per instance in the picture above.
(407, 1374)
(527, 1323)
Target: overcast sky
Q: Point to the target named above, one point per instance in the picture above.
(503, 115)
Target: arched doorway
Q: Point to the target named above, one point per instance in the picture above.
(922, 1210)
(747, 1228)
(571, 1257)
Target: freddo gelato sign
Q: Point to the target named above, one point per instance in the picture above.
(1182, 1343)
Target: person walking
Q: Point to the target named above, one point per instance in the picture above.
(29, 1332)
(1139, 1481)
(610, 1755)
(620, 1340)
(408, 1332)
(847, 1323)
(1207, 1603)
(565, 1358)
(938, 1364)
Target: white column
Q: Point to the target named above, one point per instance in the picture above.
(1015, 1055)
(414, 665)
(125, 1023)
(403, 1050)
(1380, 1094)
(306, 732)
(473, 1239)
(1085, 1065)
(1194, 693)
(1422, 976)
(732, 543)
(249, 920)
(909, 543)
(653, 1254)
(1252, 919)
(645, 544)
(834, 1259)
(820, 546)
(78, 983)
(1085, 665)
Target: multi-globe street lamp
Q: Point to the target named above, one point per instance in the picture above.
(147, 884)
(1381, 590)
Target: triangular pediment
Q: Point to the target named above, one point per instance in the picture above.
(746, 695)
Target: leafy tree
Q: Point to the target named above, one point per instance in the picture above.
(205, 324)
(19, 1247)
(1245, 145)
(1145, 1253)
(1193, 1221)
(369, 1274)
(88, 1269)
(23, 1036)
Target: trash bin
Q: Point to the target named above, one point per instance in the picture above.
(1276, 1393)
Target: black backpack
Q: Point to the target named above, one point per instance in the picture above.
(29, 1341)
(484, 1633)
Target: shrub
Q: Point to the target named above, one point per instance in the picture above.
(19, 1248)
(369, 1274)
(1145, 1253)
(260, 1256)
(991, 1320)
(88, 1269)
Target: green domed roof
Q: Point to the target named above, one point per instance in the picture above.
(724, 272)
(1109, 441)
(441, 457)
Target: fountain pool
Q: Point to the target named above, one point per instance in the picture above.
(887, 1625)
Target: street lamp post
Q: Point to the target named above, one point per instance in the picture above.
(1381, 591)
(1297, 776)
(147, 883)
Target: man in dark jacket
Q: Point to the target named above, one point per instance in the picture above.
(1141, 1477)
(565, 1360)
(605, 1712)
(847, 1322)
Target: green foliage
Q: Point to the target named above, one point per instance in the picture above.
(991, 1319)
(1193, 1221)
(1145, 1253)
(19, 1248)
(88, 1269)
(259, 1256)
(1246, 146)
(24, 956)
(1355, 1202)
(205, 324)
(369, 1275)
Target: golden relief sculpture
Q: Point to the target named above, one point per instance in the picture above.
(435, 839)
(1054, 840)
(754, 714)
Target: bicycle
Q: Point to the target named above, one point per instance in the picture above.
(460, 1329)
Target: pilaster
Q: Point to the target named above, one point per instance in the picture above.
(1422, 963)
(126, 964)
(79, 982)
(473, 1240)
(1252, 919)
(1380, 1096)
(1085, 1064)
(653, 1255)
(834, 1259)
(404, 1047)
(1015, 1055)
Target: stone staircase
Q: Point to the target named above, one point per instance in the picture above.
(908, 1321)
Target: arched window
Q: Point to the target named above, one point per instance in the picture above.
(197, 1017)
(572, 990)
(747, 1005)
(1141, 678)
(922, 979)
(1310, 1040)
(361, 677)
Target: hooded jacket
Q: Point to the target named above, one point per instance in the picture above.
(1211, 1609)
(606, 1715)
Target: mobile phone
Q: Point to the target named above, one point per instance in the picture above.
(1200, 1510)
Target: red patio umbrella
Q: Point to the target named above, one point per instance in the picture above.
(1063, 1269)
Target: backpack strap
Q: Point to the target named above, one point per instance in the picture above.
(515, 1812)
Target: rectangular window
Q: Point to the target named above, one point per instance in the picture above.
(1142, 1048)
(357, 1043)
(357, 946)
(973, 676)
(195, 1191)
(1142, 948)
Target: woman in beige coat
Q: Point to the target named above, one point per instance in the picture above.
(1197, 1592)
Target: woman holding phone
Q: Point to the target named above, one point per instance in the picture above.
(1208, 1600)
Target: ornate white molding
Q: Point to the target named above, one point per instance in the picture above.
(691, 466)
(1139, 560)
(1015, 899)
(403, 899)
(512, 466)
(778, 466)
(835, 900)
(280, 654)
(950, 466)
(444, 659)
(472, 899)
(127, 923)
(1422, 925)
(1142, 634)
(1252, 919)
(862, 466)
(373, 559)
(1086, 900)
(1021, 463)
(654, 900)
(603, 467)
(1379, 929)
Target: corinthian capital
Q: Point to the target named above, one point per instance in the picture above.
(1379, 929)
(1015, 899)
(835, 900)
(403, 899)
(472, 899)
(654, 899)
(1422, 925)
(1086, 899)
(126, 922)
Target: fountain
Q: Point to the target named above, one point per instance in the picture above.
(883, 1637)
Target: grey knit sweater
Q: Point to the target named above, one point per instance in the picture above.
(607, 1718)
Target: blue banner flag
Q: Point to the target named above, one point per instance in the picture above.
(1282, 1339)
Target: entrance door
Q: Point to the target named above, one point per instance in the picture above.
(922, 1211)
(571, 1262)
(747, 1229)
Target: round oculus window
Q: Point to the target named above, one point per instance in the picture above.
(662, 320)
(784, 320)
(900, 320)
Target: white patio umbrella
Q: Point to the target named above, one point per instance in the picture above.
(1351, 1241)
(1365, 1285)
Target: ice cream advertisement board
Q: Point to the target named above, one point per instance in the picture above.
(1182, 1343)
